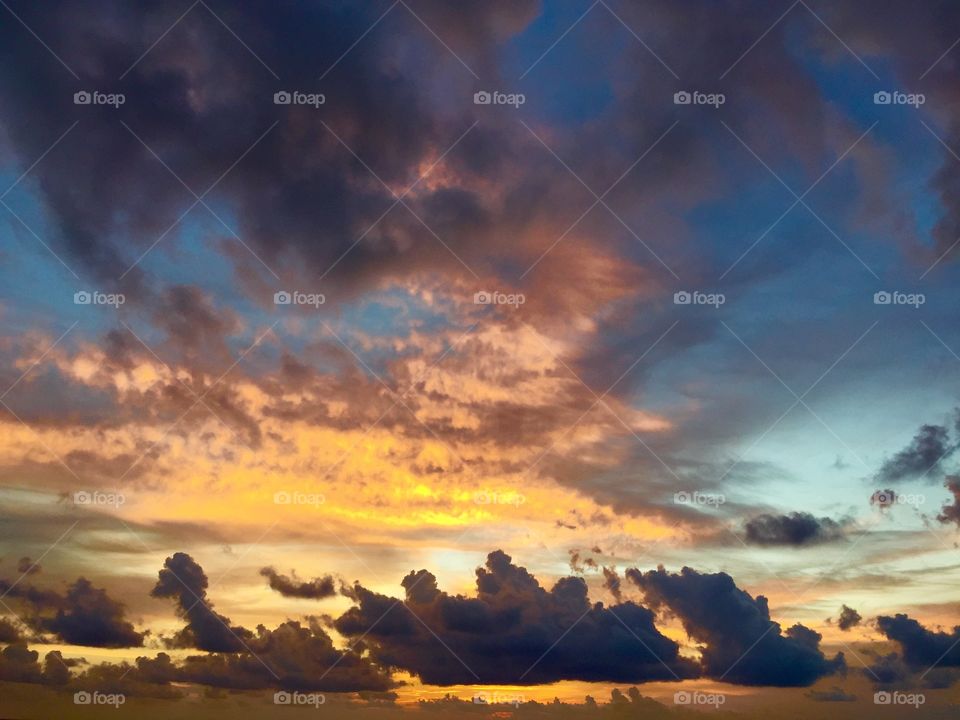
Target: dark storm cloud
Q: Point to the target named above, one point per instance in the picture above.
(201, 100)
(741, 643)
(292, 586)
(84, 615)
(922, 648)
(849, 618)
(513, 632)
(182, 579)
(794, 530)
(929, 447)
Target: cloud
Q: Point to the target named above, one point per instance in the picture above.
(849, 618)
(513, 632)
(9, 632)
(741, 644)
(611, 581)
(922, 648)
(292, 656)
(182, 579)
(20, 664)
(929, 447)
(84, 615)
(951, 511)
(795, 530)
(316, 589)
(90, 617)
(25, 566)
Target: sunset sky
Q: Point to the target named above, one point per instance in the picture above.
(379, 351)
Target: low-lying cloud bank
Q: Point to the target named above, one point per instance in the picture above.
(514, 631)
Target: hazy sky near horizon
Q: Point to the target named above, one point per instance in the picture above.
(352, 291)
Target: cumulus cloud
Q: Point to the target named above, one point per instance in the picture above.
(514, 631)
(183, 580)
(20, 664)
(794, 530)
(741, 644)
(922, 648)
(292, 586)
(849, 618)
(84, 615)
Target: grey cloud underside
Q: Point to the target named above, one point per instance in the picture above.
(741, 644)
(795, 529)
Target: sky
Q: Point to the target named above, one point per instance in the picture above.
(500, 357)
